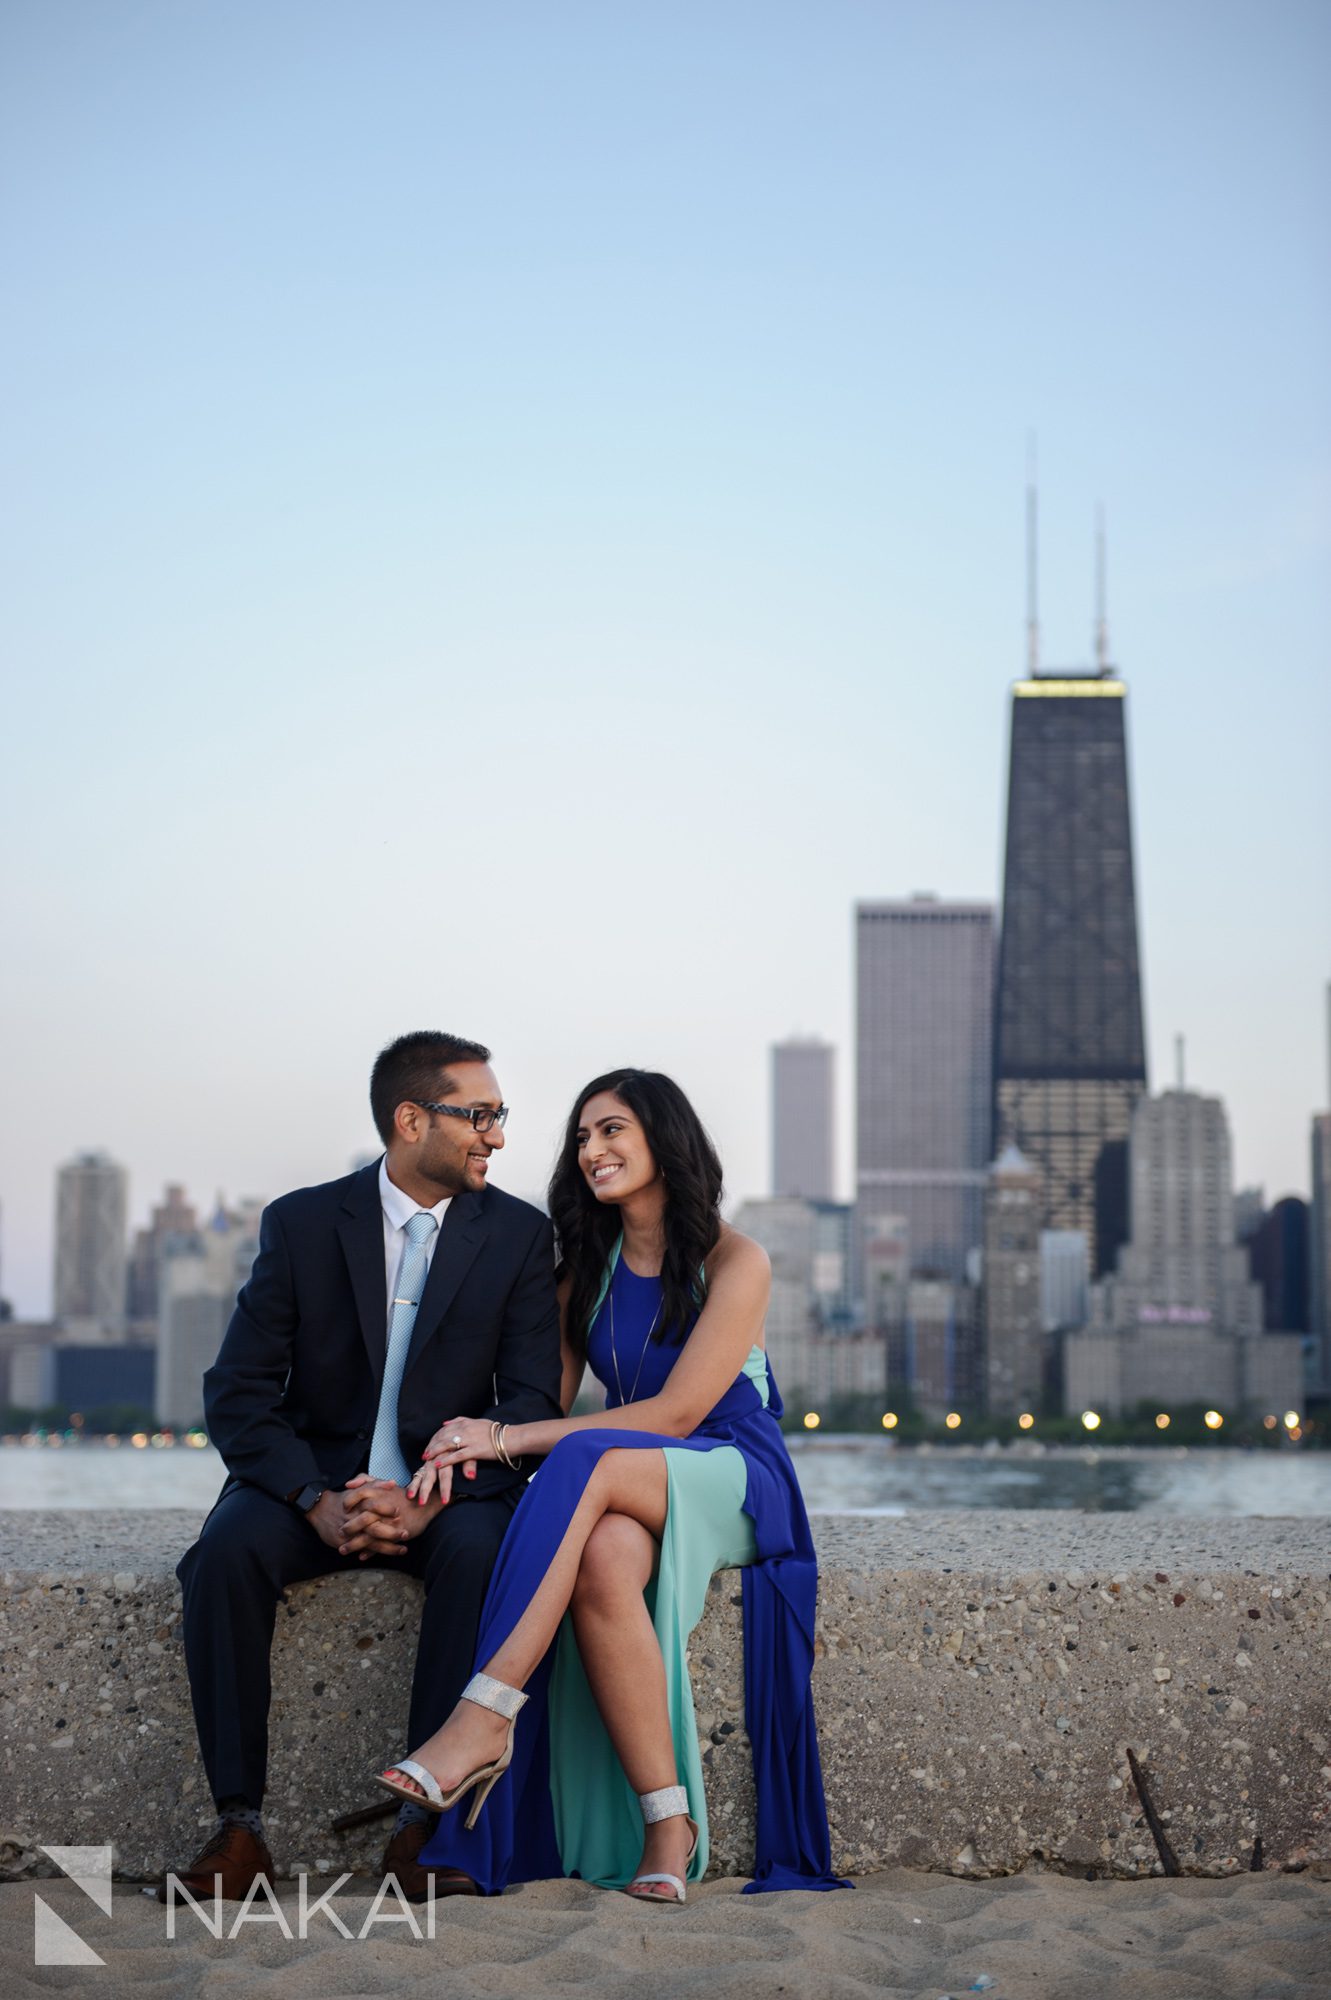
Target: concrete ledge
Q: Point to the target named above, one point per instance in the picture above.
(979, 1677)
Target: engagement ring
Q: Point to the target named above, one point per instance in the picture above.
(456, 1442)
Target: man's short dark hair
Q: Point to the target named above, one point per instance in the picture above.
(411, 1071)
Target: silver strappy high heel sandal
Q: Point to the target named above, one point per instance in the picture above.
(486, 1693)
(671, 1802)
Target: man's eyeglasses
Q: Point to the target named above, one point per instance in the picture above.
(478, 1115)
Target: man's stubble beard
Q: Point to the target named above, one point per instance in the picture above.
(451, 1180)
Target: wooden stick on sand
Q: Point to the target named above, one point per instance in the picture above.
(1168, 1858)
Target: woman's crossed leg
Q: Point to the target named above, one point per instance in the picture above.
(620, 1517)
(621, 1658)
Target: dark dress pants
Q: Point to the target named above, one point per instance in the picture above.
(249, 1549)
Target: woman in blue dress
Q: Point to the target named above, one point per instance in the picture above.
(577, 1735)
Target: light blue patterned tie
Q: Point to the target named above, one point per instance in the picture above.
(386, 1460)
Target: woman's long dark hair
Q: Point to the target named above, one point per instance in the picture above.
(587, 1228)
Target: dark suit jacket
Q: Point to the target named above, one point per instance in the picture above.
(291, 1399)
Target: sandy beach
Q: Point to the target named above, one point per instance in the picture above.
(899, 1936)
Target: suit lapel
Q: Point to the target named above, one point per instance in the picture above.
(464, 1231)
(360, 1229)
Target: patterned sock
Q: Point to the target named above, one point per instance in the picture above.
(235, 1812)
(410, 1814)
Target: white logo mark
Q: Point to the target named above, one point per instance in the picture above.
(54, 1942)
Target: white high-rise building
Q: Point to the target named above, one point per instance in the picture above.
(1065, 1272)
(91, 1209)
(786, 1230)
(809, 1310)
(1319, 1227)
(1181, 1321)
(923, 1082)
(1319, 1238)
(802, 1118)
(1015, 1344)
(199, 1280)
(1182, 1265)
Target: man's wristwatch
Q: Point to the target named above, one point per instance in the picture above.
(307, 1497)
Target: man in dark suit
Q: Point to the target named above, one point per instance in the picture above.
(378, 1306)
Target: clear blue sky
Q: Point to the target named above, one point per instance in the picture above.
(513, 520)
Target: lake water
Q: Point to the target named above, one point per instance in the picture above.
(838, 1475)
(861, 1477)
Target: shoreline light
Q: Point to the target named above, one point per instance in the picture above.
(811, 1420)
(1025, 1421)
(1090, 1420)
(1162, 1421)
(952, 1420)
(1213, 1420)
(890, 1420)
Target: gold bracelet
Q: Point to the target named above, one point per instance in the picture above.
(502, 1445)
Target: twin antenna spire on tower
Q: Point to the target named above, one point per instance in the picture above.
(1101, 628)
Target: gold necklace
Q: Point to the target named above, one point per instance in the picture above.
(614, 1356)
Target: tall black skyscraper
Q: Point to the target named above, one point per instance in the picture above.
(1069, 1050)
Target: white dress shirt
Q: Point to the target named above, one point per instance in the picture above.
(398, 1210)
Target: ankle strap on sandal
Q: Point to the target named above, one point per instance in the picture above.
(669, 1803)
(487, 1692)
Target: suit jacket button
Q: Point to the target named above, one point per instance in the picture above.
(362, 1434)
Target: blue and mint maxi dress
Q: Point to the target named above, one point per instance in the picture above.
(564, 1807)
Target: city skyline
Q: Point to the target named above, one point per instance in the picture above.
(518, 526)
(39, 1305)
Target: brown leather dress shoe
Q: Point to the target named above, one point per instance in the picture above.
(413, 1880)
(234, 1854)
